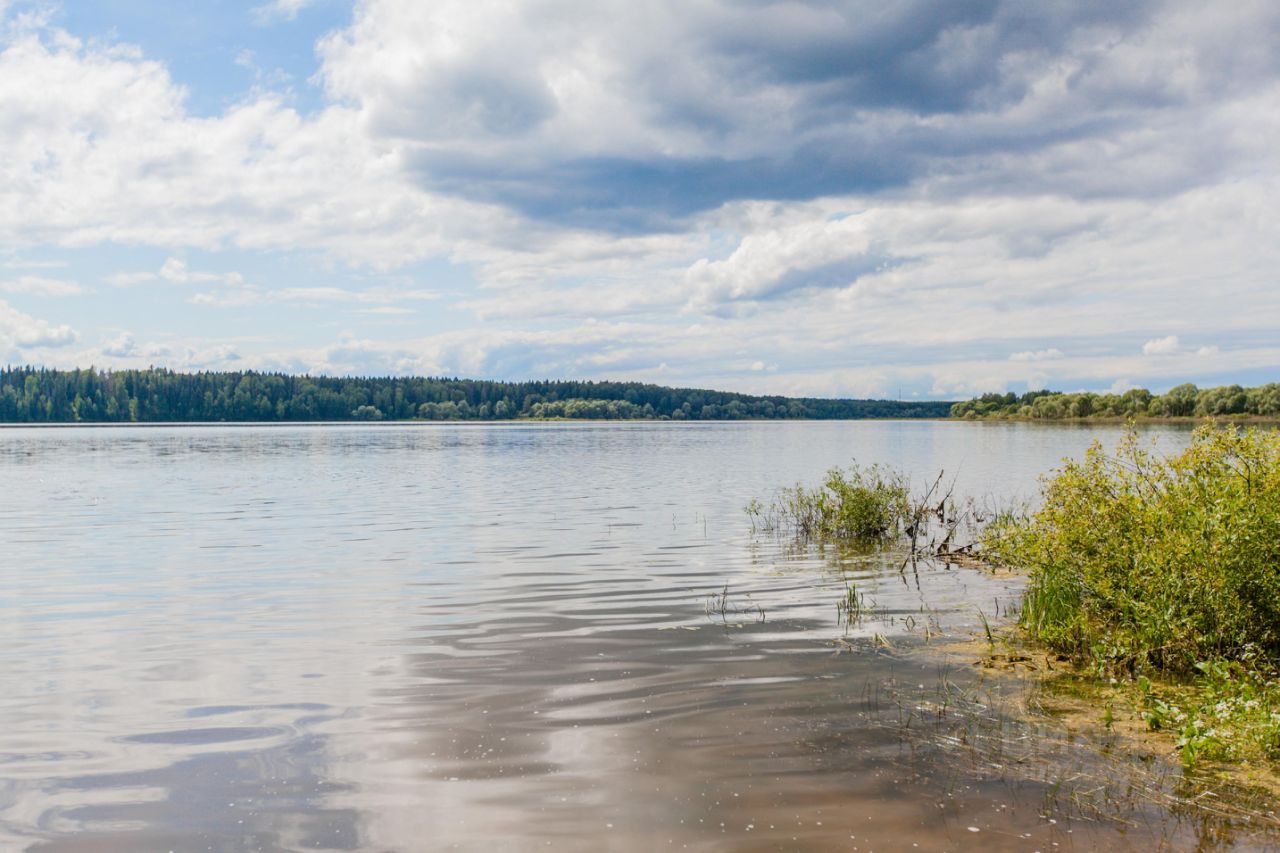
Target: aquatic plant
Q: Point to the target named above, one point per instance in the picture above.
(862, 503)
(873, 506)
(717, 604)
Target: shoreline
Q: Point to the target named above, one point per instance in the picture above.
(1121, 420)
(1109, 420)
(460, 422)
(1104, 713)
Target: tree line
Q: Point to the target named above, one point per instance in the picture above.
(42, 395)
(1184, 400)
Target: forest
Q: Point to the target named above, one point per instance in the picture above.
(41, 395)
(1181, 401)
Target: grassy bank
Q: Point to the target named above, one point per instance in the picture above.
(1164, 573)
(1158, 577)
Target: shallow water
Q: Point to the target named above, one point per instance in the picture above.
(425, 637)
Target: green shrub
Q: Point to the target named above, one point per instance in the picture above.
(1141, 561)
(861, 503)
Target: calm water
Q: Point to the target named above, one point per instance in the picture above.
(423, 637)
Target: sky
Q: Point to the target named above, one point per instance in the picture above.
(915, 199)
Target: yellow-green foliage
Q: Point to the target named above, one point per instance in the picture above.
(1140, 561)
(861, 503)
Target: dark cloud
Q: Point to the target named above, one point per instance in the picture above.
(637, 195)
(912, 55)
(836, 274)
(800, 100)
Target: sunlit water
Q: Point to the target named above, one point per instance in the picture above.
(490, 637)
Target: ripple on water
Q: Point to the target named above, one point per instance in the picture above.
(387, 638)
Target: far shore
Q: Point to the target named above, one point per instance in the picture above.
(1190, 420)
(469, 421)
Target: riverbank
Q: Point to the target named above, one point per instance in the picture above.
(1115, 715)
(1153, 583)
(1157, 579)
(1120, 420)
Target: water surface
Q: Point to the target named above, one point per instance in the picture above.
(436, 636)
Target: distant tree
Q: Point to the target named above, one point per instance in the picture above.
(1264, 400)
(1082, 405)
(1226, 400)
(34, 395)
(1180, 400)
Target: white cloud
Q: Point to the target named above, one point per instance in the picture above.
(176, 270)
(601, 299)
(955, 383)
(106, 152)
(122, 346)
(23, 332)
(388, 311)
(129, 279)
(29, 264)
(252, 295)
(39, 286)
(1037, 355)
(278, 10)
(1161, 346)
(1121, 385)
(777, 263)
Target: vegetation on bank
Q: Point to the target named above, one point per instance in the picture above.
(1180, 401)
(1159, 575)
(37, 395)
(1165, 571)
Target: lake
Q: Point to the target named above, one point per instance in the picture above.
(511, 636)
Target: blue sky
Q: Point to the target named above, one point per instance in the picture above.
(217, 50)
(835, 197)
